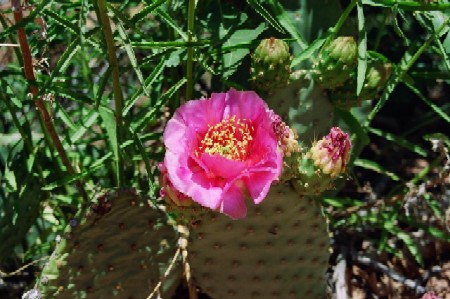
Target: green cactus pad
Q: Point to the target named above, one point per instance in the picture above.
(270, 68)
(336, 62)
(119, 251)
(310, 181)
(280, 250)
(305, 107)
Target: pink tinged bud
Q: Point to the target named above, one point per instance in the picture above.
(286, 137)
(332, 153)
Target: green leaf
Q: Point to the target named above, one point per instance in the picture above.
(144, 12)
(400, 141)
(309, 51)
(405, 64)
(63, 63)
(341, 202)
(109, 121)
(433, 106)
(63, 21)
(37, 9)
(84, 125)
(266, 15)
(286, 21)
(102, 86)
(157, 71)
(131, 55)
(408, 5)
(62, 114)
(170, 44)
(368, 164)
(70, 179)
(362, 49)
(438, 136)
(407, 239)
(148, 169)
(149, 116)
(232, 59)
(171, 22)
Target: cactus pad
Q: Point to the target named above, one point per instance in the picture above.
(280, 250)
(120, 250)
(305, 107)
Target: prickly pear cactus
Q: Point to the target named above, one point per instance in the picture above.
(270, 68)
(120, 250)
(336, 62)
(280, 250)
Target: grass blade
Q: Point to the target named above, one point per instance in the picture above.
(266, 15)
(368, 164)
(362, 49)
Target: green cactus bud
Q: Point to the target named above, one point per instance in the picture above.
(324, 162)
(270, 68)
(377, 75)
(337, 60)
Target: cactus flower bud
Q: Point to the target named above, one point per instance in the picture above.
(286, 137)
(377, 75)
(337, 60)
(319, 166)
(270, 68)
(332, 153)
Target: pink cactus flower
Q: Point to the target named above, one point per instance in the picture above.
(332, 152)
(222, 149)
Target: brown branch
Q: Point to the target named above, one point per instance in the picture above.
(30, 76)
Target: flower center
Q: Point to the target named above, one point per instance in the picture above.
(231, 138)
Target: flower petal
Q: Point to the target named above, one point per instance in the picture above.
(222, 167)
(233, 203)
(258, 184)
(244, 104)
(193, 181)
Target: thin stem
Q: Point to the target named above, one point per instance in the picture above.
(117, 91)
(381, 30)
(344, 17)
(190, 50)
(30, 76)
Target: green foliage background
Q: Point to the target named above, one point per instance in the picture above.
(109, 91)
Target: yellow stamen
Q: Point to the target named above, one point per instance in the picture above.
(231, 138)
